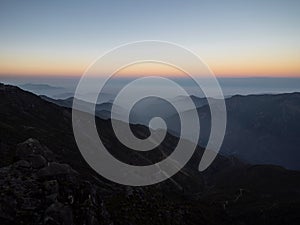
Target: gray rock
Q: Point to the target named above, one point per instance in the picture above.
(30, 203)
(33, 147)
(49, 155)
(37, 161)
(55, 169)
(28, 147)
(51, 186)
(51, 198)
(59, 214)
(22, 164)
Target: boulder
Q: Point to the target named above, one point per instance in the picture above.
(33, 147)
(56, 169)
(37, 161)
(28, 147)
(22, 164)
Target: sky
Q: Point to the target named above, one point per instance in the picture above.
(234, 38)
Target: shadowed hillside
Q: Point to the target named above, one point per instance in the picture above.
(44, 179)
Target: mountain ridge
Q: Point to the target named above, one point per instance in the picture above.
(52, 184)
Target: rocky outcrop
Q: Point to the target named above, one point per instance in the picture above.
(37, 190)
(56, 169)
(32, 148)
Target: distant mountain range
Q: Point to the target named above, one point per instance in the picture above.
(102, 110)
(45, 89)
(261, 129)
(45, 180)
(39, 87)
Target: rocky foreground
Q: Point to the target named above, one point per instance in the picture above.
(36, 189)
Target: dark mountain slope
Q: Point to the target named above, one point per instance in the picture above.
(25, 115)
(53, 185)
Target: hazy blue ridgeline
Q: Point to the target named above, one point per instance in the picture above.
(230, 86)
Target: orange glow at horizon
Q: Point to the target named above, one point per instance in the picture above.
(221, 66)
(150, 69)
(256, 67)
(39, 65)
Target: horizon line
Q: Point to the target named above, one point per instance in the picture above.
(77, 76)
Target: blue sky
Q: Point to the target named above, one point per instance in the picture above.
(233, 37)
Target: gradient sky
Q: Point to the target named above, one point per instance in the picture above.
(235, 38)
